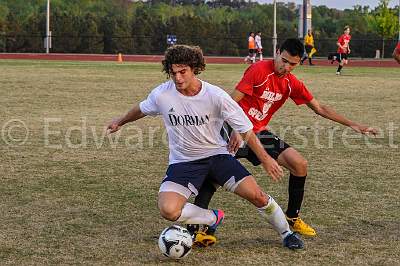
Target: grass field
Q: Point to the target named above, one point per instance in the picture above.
(70, 195)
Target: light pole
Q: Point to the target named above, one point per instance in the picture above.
(47, 40)
(274, 37)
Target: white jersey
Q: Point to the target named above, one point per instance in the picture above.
(193, 123)
(258, 41)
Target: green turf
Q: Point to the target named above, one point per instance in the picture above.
(66, 199)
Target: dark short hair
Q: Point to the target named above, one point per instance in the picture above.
(347, 27)
(293, 46)
(191, 56)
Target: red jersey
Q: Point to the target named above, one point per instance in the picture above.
(344, 42)
(265, 92)
(398, 46)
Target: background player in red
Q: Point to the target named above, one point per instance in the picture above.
(396, 53)
(343, 49)
(263, 89)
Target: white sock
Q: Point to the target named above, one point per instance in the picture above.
(275, 216)
(192, 214)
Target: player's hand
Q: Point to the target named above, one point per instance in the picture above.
(364, 129)
(273, 169)
(234, 142)
(113, 126)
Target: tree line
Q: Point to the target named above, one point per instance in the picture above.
(220, 27)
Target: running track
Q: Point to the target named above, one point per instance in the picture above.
(158, 58)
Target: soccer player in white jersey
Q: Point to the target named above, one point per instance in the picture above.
(259, 47)
(193, 112)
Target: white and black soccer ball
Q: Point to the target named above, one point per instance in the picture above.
(175, 242)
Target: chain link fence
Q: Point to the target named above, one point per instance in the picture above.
(216, 46)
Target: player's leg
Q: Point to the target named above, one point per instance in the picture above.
(341, 63)
(234, 177)
(345, 59)
(206, 192)
(204, 236)
(268, 208)
(310, 55)
(181, 181)
(247, 58)
(173, 206)
(332, 57)
(253, 56)
(292, 160)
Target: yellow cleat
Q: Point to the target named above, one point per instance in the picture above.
(204, 240)
(299, 226)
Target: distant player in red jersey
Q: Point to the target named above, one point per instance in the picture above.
(396, 53)
(343, 51)
(263, 89)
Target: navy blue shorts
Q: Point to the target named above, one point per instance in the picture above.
(222, 169)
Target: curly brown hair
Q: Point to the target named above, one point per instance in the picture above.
(191, 56)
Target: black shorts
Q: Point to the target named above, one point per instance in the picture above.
(272, 144)
(308, 48)
(341, 56)
(222, 169)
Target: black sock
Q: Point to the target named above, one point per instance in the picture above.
(296, 194)
(339, 68)
(205, 194)
(202, 200)
(309, 61)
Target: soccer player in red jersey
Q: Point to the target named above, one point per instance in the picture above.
(396, 53)
(263, 89)
(343, 49)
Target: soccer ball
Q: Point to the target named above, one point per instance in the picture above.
(175, 242)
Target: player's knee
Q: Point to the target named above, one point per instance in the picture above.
(169, 212)
(300, 167)
(259, 199)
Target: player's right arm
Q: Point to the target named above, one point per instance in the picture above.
(235, 139)
(270, 165)
(147, 107)
(134, 114)
(233, 114)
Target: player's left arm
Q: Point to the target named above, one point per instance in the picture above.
(329, 113)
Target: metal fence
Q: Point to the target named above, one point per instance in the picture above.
(218, 46)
